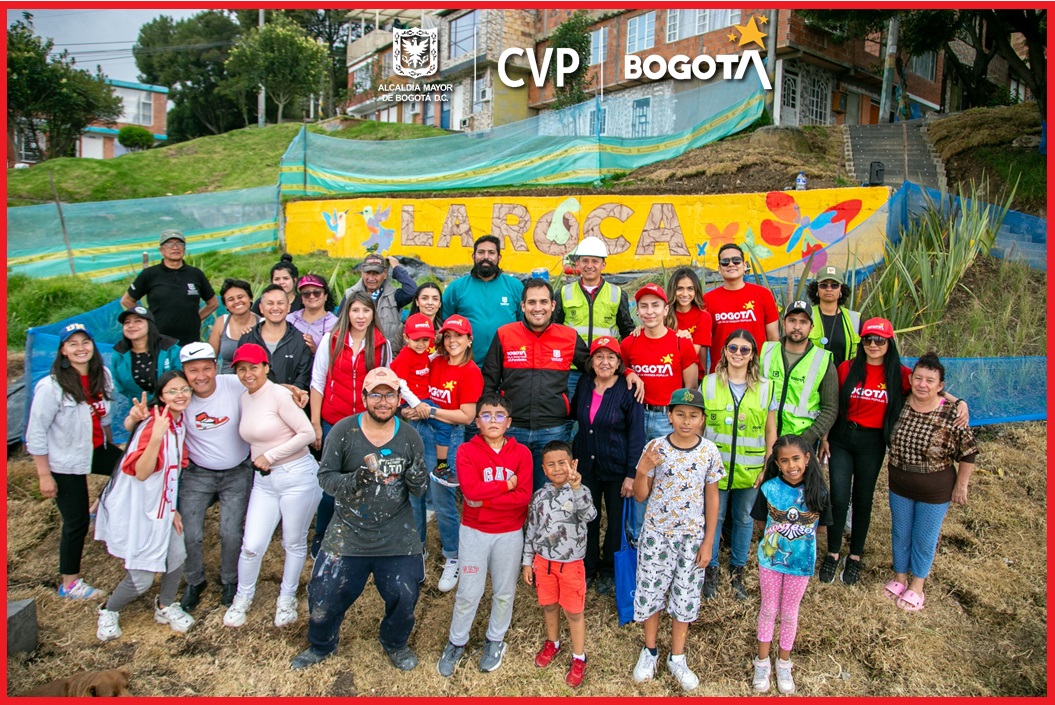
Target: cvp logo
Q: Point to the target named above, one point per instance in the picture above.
(415, 52)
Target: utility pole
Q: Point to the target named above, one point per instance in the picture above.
(261, 105)
(771, 62)
(889, 71)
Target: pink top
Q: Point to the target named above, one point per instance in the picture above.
(273, 425)
(595, 404)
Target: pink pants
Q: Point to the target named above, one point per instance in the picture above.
(780, 594)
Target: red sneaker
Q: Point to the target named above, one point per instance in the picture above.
(576, 672)
(546, 654)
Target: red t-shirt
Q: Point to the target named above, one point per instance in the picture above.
(698, 322)
(868, 399)
(751, 308)
(413, 368)
(98, 407)
(451, 386)
(659, 362)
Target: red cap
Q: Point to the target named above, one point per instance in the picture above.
(605, 342)
(310, 280)
(251, 353)
(651, 290)
(419, 326)
(458, 324)
(878, 326)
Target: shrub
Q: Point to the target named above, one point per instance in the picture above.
(134, 137)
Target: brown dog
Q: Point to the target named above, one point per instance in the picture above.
(91, 684)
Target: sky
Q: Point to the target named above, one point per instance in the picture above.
(97, 37)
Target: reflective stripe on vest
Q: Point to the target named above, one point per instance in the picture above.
(801, 402)
(851, 323)
(743, 465)
(591, 320)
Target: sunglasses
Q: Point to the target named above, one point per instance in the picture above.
(828, 284)
(874, 340)
(310, 293)
(725, 262)
(488, 417)
(742, 349)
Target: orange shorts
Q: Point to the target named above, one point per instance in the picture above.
(560, 583)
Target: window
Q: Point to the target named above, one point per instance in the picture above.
(427, 114)
(386, 65)
(463, 34)
(789, 91)
(924, 65)
(818, 104)
(598, 46)
(409, 110)
(682, 24)
(139, 106)
(361, 78)
(874, 43)
(593, 127)
(1016, 89)
(640, 32)
(639, 120)
(480, 93)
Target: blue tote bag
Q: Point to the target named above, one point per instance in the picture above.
(625, 560)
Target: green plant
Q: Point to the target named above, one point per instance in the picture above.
(574, 34)
(135, 138)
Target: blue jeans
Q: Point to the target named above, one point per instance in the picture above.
(536, 440)
(572, 427)
(444, 502)
(743, 524)
(324, 513)
(657, 425)
(914, 531)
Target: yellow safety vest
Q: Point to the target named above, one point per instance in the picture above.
(851, 322)
(799, 388)
(739, 430)
(591, 321)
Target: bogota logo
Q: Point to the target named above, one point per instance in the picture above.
(415, 51)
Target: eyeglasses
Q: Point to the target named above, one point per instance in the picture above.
(874, 340)
(725, 262)
(742, 349)
(488, 417)
(378, 396)
(174, 244)
(311, 293)
(828, 284)
(177, 392)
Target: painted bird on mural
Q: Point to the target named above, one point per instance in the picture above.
(380, 237)
(337, 224)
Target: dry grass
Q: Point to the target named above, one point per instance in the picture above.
(980, 127)
(983, 632)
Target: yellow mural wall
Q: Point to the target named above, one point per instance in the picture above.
(779, 228)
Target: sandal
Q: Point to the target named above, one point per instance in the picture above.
(911, 601)
(894, 590)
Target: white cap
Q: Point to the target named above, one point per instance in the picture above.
(196, 351)
(591, 247)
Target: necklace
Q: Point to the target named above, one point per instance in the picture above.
(824, 328)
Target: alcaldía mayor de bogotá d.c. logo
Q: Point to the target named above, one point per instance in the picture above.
(415, 51)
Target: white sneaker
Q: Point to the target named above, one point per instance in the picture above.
(645, 668)
(285, 611)
(108, 626)
(785, 683)
(430, 515)
(681, 671)
(763, 679)
(449, 579)
(174, 616)
(235, 615)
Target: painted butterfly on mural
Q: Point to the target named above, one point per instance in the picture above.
(802, 233)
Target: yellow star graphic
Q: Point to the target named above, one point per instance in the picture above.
(667, 359)
(732, 36)
(882, 386)
(749, 306)
(763, 19)
(751, 34)
(449, 385)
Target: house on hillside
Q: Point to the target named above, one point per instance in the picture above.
(144, 105)
(998, 73)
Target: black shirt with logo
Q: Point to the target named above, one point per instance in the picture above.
(174, 297)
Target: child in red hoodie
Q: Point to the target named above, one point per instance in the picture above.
(495, 476)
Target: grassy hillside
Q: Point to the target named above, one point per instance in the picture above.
(238, 159)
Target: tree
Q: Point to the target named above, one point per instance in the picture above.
(188, 57)
(135, 138)
(282, 58)
(48, 94)
(574, 34)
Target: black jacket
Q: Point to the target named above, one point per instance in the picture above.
(291, 362)
(608, 447)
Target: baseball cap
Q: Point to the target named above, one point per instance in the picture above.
(373, 263)
(604, 342)
(137, 310)
(419, 326)
(878, 326)
(251, 353)
(458, 324)
(380, 376)
(72, 328)
(310, 280)
(171, 234)
(798, 306)
(196, 351)
(830, 272)
(686, 397)
(651, 290)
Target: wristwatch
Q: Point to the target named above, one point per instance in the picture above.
(432, 412)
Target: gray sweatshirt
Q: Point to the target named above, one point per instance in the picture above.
(556, 525)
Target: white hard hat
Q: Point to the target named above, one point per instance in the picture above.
(591, 247)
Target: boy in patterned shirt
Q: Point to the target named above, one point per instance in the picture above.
(678, 474)
(554, 546)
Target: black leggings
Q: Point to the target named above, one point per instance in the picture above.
(598, 562)
(72, 501)
(857, 456)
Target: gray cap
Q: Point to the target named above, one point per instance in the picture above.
(798, 306)
(171, 234)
